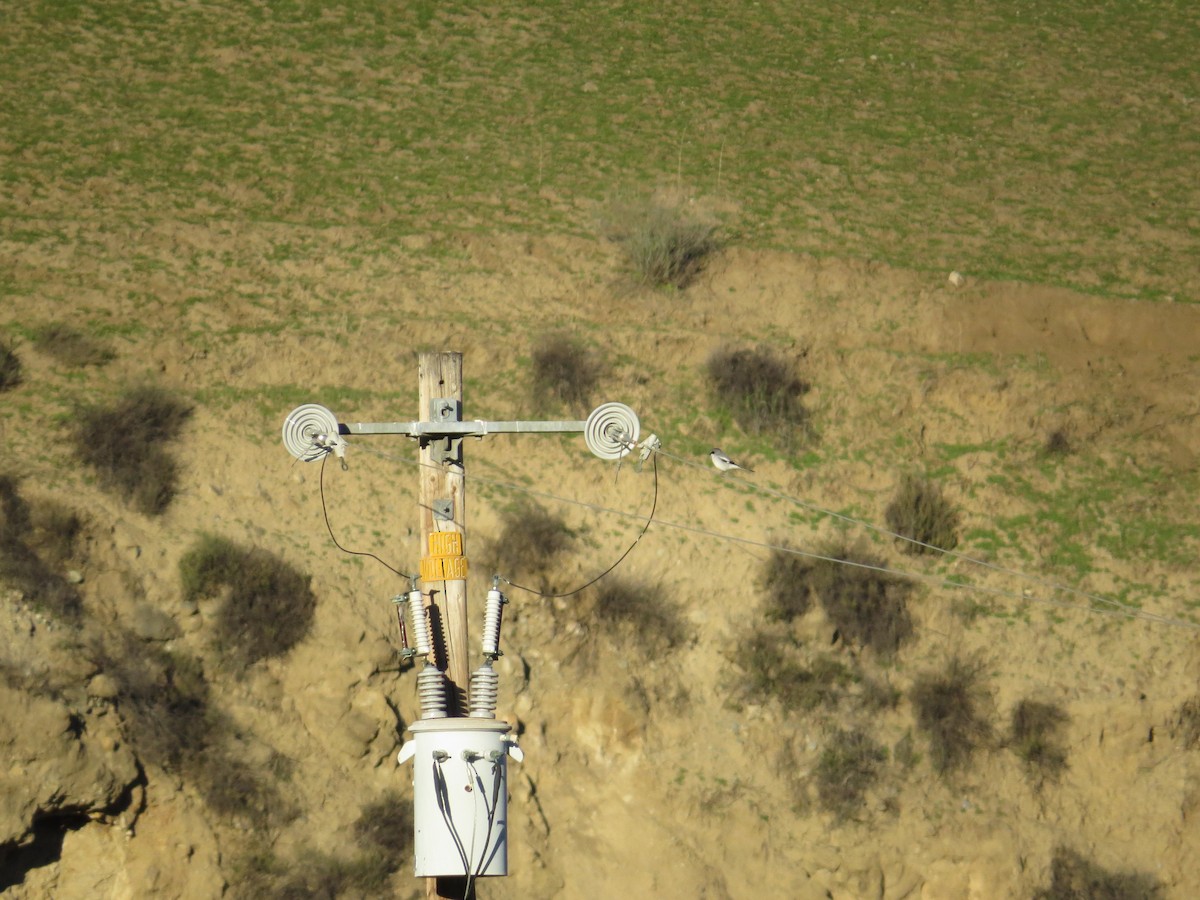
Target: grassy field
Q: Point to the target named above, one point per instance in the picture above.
(1014, 141)
(253, 205)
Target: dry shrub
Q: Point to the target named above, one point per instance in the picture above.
(166, 704)
(34, 543)
(641, 614)
(786, 581)
(868, 606)
(564, 372)
(920, 512)
(384, 835)
(1073, 877)
(124, 442)
(762, 393)
(1058, 443)
(773, 668)
(949, 709)
(664, 244)
(1035, 735)
(529, 546)
(163, 698)
(1185, 727)
(268, 605)
(10, 366)
(848, 767)
(70, 346)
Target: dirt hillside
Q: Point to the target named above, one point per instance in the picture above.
(650, 768)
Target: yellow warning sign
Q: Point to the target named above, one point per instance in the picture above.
(445, 561)
(443, 568)
(445, 543)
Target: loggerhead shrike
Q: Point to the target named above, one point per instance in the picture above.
(723, 462)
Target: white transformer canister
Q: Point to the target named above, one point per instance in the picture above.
(460, 795)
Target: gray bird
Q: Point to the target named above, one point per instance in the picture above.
(723, 462)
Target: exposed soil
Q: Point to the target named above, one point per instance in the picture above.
(642, 775)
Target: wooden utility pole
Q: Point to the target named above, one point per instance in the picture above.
(443, 502)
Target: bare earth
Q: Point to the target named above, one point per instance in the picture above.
(641, 777)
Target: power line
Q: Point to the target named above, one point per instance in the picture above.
(1123, 608)
(1108, 605)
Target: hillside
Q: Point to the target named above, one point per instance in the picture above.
(636, 751)
(214, 213)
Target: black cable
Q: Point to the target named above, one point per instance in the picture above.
(329, 528)
(621, 559)
(442, 792)
(491, 811)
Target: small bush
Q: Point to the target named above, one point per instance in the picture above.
(848, 767)
(71, 347)
(1072, 877)
(269, 604)
(761, 392)
(320, 875)
(125, 444)
(386, 824)
(786, 580)
(262, 875)
(163, 698)
(1035, 736)
(664, 245)
(948, 707)
(530, 544)
(564, 372)
(1185, 727)
(773, 669)
(238, 792)
(10, 366)
(868, 606)
(921, 513)
(641, 614)
(1058, 443)
(33, 546)
(166, 705)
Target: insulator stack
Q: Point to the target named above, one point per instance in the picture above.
(431, 689)
(491, 623)
(484, 688)
(422, 631)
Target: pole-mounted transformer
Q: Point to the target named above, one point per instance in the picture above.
(460, 774)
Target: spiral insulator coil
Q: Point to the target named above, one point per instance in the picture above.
(484, 689)
(491, 623)
(431, 690)
(421, 629)
(611, 431)
(308, 430)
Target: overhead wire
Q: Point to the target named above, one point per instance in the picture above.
(1117, 605)
(1107, 605)
(333, 537)
(620, 559)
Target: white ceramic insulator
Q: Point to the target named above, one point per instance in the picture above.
(484, 688)
(491, 623)
(419, 617)
(309, 432)
(611, 431)
(431, 690)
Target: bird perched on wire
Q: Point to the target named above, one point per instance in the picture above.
(723, 462)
